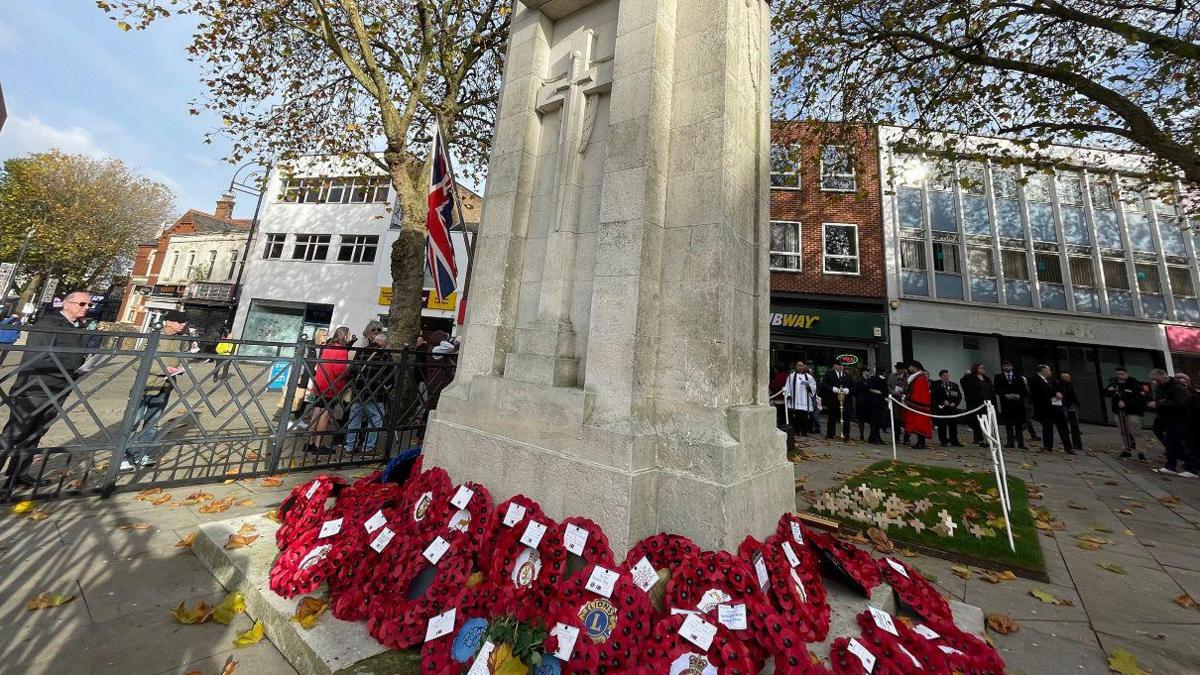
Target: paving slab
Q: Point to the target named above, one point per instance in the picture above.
(1160, 648)
(1052, 648)
(1171, 555)
(1013, 598)
(1142, 595)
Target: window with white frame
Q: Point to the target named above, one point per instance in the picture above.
(273, 249)
(912, 255)
(191, 266)
(212, 264)
(979, 262)
(785, 165)
(945, 258)
(1147, 278)
(840, 247)
(336, 190)
(358, 248)
(233, 261)
(1082, 271)
(838, 173)
(311, 247)
(1116, 274)
(1181, 281)
(785, 246)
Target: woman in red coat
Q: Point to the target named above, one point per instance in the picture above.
(329, 378)
(916, 396)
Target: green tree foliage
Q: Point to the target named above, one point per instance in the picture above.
(1112, 73)
(87, 215)
(348, 78)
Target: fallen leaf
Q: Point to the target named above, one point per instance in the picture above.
(22, 507)
(1050, 599)
(880, 540)
(148, 493)
(1097, 528)
(961, 572)
(308, 611)
(1111, 482)
(1002, 624)
(1115, 569)
(1126, 512)
(970, 513)
(1077, 506)
(1128, 532)
(196, 498)
(997, 577)
(38, 515)
(1042, 525)
(237, 541)
(187, 541)
(246, 528)
(134, 526)
(272, 481)
(1185, 601)
(251, 456)
(909, 553)
(198, 614)
(246, 502)
(1125, 663)
(217, 506)
(250, 637)
(230, 666)
(231, 606)
(1170, 501)
(47, 600)
(1088, 545)
(272, 516)
(160, 500)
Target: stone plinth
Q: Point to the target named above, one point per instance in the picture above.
(616, 353)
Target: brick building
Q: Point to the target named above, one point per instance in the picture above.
(828, 285)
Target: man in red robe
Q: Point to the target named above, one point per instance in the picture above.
(916, 396)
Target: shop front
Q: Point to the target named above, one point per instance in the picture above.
(282, 321)
(822, 337)
(1184, 343)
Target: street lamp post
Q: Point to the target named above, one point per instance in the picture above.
(254, 184)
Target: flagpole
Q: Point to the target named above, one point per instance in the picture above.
(460, 317)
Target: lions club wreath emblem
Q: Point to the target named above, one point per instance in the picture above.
(598, 617)
(422, 506)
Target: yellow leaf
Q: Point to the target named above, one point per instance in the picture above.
(1050, 599)
(1185, 601)
(246, 528)
(997, 577)
(197, 614)
(502, 662)
(1128, 532)
(272, 481)
(308, 611)
(22, 507)
(1002, 624)
(160, 500)
(135, 526)
(1121, 661)
(962, 572)
(48, 600)
(1115, 569)
(237, 541)
(187, 541)
(246, 502)
(250, 637)
(231, 606)
(38, 515)
(123, 26)
(272, 516)
(475, 579)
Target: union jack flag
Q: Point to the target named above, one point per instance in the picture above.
(439, 250)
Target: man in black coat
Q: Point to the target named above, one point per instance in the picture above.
(1011, 390)
(54, 351)
(835, 398)
(1172, 402)
(1071, 407)
(1048, 409)
(874, 404)
(946, 396)
(976, 389)
(1128, 405)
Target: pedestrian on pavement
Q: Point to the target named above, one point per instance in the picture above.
(144, 451)
(223, 348)
(1171, 402)
(8, 334)
(917, 399)
(776, 392)
(977, 389)
(1071, 408)
(801, 394)
(1128, 403)
(896, 382)
(1048, 409)
(371, 376)
(946, 397)
(1011, 391)
(874, 404)
(329, 379)
(46, 374)
(835, 399)
(859, 392)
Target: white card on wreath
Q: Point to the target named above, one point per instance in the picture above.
(865, 657)
(915, 661)
(575, 539)
(436, 549)
(644, 574)
(567, 635)
(330, 528)
(382, 539)
(926, 632)
(534, 531)
(514, 514)
(883, 620)
(375, 522)
(791, 555)
(480, 666)
(898, 567)
(602, 581)
(442, 624)
(698, 631)
(312, 489)
(797, 534)
(760, 568)
(732, 617)
(462, 497)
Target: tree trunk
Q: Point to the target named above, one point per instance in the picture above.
(408, 255)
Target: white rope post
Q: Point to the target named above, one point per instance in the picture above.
(892, 417)
(990, 426)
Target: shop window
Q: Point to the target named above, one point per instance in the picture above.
(273, 250)
(840, 243)
(358, 248)
(311, 247)
(785, 246)
(785, 166)
(838, 173)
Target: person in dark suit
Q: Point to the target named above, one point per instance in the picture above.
(1011, 390)
(946, 397)
(44, 378)
(976, 389)
(1047, 400)
(1070, 408)
(835, 399)
(874, 404)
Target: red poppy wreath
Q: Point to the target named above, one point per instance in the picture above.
(455, 652)
(796, 587)
(845, 561)
(914, 591)
(612, 617)
(511, 513)
(670, 651)
(527, 563)
(304, 507)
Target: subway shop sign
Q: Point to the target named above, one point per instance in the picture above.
(827, 323)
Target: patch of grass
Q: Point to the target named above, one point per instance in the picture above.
(957, 492)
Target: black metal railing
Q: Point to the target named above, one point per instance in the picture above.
(147, 409)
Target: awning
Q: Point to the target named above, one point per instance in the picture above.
(1183, 339)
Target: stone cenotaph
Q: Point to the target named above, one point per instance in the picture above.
(616, 357)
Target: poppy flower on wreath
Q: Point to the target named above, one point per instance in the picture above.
(613, 628)
(380, 546)
(425, 502)
(472, 515)
(315, 556)
(422, 582)
(456, 652)
(856, 656)
(527, 574)
(914, 591)
(963, 651)
(361, 500)
(304, 507)
(796, 588)
(845, 561)
(665, 551)
(509, 514)
(918, 652)
(669, 652)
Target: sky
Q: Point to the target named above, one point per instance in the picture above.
(73, 81)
